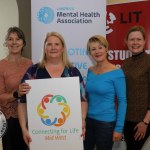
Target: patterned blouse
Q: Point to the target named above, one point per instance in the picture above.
(36, 72)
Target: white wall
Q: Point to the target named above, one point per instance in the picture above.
(8, 17)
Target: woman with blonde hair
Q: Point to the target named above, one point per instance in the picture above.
(105, 83)
(54, 64)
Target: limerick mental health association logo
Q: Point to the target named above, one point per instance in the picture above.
(3, 124)
(53, 110)
(45, 15)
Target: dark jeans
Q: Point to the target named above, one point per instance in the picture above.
(13, 139)
(129, 133)
(99, 134)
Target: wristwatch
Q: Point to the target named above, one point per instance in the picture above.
(15, 94)
(145, 122)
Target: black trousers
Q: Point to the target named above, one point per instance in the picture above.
(13, 139)
(99, 134)
(129, 133)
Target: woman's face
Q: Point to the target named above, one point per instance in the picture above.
(98, 52)
(135, 42)
(14, 43)
(54, 47)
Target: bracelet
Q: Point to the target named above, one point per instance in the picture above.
(145, 122)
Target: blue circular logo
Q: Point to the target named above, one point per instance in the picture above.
(45, 15)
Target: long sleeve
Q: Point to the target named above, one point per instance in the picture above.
(120, 88)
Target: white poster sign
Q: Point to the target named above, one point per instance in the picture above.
(54, 114)
(75, 20)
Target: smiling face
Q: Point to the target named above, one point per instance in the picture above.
(98, 51)
(135, 42)
(14, 43)
(54, 48)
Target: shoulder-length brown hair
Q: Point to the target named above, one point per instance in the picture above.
(19, 33)
(134, 29)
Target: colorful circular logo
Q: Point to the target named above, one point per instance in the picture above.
(3, 124)
(45, 15)
(56, 101)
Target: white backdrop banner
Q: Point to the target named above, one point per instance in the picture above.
(75, 20)
(54, 114)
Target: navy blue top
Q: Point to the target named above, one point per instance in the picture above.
(36, 72)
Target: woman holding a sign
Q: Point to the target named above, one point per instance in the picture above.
(12, 69)
(105, 83)
(54, 64)
(137, 71)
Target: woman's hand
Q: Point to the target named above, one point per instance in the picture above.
(24, 88)
(117, 136)
(140, 131)
(26, 136)
(83, 129)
